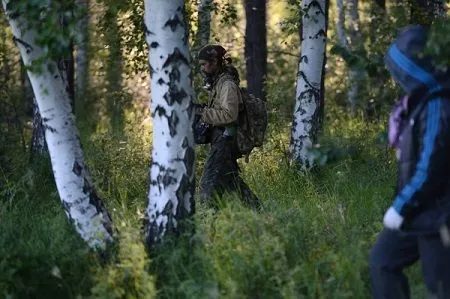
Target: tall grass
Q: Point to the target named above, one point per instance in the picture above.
(311, 239)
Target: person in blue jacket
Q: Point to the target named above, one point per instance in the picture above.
(416, 224)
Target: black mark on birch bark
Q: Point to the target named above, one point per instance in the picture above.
(77, 168)
(173, 123)
(27, 46)
(176, 58)
(173, 22)
(160, 111)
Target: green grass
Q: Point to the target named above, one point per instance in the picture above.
(311, 240)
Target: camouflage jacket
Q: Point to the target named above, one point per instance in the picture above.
(223, 104)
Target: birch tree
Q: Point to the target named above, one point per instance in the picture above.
(82, 39)
(309, 91)
(352, 45)
(114, 67)
(38, 145)
(204, 23)
(256, 46)
(171, 195)
(82, 205)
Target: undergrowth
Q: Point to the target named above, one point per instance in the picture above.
(311, 239)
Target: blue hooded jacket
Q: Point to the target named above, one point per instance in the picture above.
(424, 165)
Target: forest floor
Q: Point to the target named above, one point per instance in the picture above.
(311, 239)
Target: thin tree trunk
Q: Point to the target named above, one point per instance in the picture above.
(202, 37)
(204, 23)
(171, 196)
(381, 4)
(340, 25)
(81, 60)
(355, 74)
(82, 205)
(256, 46)
(114, 71)
(377, 16)
(66, 63)
(66, 66)
(306, 116)
(38, 145)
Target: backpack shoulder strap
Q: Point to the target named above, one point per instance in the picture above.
(418, 109)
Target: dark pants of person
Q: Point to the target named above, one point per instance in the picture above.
(221, 173)
(395, 251)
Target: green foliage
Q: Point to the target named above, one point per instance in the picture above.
(127, 275)
(352, 59)
(311, 240)
(40, 254)
(228, 13)
(439, 43)
(291, 24)
(129, 17)
(54, 22)
(312, 237)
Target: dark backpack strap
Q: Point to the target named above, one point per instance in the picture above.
(445, 93)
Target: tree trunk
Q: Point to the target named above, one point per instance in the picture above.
(114, 70)
(355, 73)
(204, 23)
(66, 66)
(66, 63)
(377, 17)
(81, 60)
(256, 46)
(309, 93)
(38, 145)
(381, 4)
(82, 205)
(171, 196)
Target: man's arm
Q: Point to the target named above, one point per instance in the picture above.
(432, 169)
(228, 110)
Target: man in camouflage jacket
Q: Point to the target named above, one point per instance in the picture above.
(221, 170)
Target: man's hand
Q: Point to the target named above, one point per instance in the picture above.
(392, 219)
(198, 109)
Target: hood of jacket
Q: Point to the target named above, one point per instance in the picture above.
(413, 70)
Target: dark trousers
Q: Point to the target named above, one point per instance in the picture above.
(221, 173)
(395, 251)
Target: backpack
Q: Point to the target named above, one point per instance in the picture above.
(252, 123)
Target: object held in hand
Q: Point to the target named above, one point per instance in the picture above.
(201, 132)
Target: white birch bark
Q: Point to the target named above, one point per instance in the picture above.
(82, 205)
(204, 23)
(172, 170)
(308, 93)
(81, 60)
(340, 25)
(355, 73)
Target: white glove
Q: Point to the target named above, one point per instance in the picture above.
(392, 219)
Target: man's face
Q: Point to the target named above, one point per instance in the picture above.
(208, 67)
